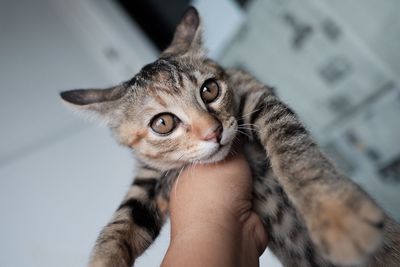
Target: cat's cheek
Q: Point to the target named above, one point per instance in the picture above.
(228, 135)
(127, 135)
(223, 153)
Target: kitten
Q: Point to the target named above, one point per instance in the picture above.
(185, 108)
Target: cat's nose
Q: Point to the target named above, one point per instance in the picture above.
(214, 135)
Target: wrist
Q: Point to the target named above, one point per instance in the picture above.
(246, 230)
(207, 242)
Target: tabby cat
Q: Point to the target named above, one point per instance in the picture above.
(185, 108)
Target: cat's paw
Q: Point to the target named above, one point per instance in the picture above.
(348, 234)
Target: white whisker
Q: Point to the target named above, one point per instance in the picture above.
(245, 128)
(177, 180)
(242, 132)
(249, 113)
(249, 124)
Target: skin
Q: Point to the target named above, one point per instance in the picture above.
(211, 226)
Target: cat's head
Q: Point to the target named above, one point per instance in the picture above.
(176, 110)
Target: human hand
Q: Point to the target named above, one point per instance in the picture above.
(212, 223)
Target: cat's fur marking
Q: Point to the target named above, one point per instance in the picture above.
(314, 216)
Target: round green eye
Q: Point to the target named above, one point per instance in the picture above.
(209, 91)
(163, 123)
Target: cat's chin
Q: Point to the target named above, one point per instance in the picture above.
(219, 155)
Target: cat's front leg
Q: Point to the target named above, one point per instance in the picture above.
(345, 224)
(135, 224)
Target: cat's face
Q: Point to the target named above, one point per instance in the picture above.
(175, 111)
(184, 113)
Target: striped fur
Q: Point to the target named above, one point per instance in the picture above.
(314, 215)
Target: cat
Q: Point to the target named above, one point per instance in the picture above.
(185, 108)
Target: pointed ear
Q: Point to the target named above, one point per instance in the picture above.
(187, 37)
(101, 102)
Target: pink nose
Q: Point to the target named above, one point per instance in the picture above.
(214, 135)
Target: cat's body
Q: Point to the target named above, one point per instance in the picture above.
(289, 237)
(314, 216)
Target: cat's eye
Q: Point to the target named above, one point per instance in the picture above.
(163, 123)
(209, 91)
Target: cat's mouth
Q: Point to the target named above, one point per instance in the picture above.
(214, 152)
(224, 146)
(218, 154)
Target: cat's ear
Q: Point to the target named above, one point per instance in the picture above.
(102, 103)
(187, 37)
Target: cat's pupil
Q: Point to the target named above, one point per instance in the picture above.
(206, 92)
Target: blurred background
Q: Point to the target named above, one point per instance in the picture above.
(337, 63)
